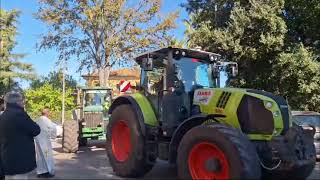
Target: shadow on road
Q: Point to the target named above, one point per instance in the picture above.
(91, 162)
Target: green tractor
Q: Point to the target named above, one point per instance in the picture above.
(90, 119)
(182, 116)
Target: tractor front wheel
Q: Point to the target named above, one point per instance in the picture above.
(217, 152)
(126, 146)
(70, 136)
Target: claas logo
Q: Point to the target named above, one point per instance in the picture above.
(204, 93)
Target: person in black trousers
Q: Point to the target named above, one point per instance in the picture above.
(17, 131)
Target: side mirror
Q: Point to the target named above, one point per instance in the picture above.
(234, 70)
(147, 64)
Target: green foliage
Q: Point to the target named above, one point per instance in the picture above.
(297, 75)
(48, 96)
(101, 33)
(302, 17)
(264, 38)
(174, 42)
(55, 79)
(10, 66)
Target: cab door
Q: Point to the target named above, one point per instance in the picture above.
(173, 103)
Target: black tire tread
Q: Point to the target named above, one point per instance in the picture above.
(246, 151)
(245, 148)
(140, 165)
(70, 142)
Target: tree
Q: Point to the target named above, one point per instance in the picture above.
(48, 96)
(101, 33)
(10, 66)
(302, 18)
(255, 34)
(174, 42)
(216, 13)
(55, 79)
(297, 77)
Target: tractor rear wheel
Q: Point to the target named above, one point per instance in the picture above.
(217, 152)
(70, 136)
(126, 146)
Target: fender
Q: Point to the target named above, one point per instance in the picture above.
(183, 128)
(142, 108)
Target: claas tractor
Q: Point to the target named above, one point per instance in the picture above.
(89, 119)
(181, 115)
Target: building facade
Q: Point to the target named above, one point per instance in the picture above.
(131, 75)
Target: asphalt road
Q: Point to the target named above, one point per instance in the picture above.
(92, 163)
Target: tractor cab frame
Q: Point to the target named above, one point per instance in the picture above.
(170, 76)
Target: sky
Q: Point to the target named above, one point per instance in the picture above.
(31, 29)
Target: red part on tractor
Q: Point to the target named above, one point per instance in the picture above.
(121, 141)
(207, 161)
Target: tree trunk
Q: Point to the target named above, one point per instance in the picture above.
(104, 73)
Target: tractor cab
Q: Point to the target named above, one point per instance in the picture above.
(191, 68)
(96, 100)
(170, 76)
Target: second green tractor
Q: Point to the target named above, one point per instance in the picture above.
(90, 118)
(182, 116)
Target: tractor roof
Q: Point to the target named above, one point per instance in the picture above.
(163, 53)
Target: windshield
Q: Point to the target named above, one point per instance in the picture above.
(192, 72)
(307, 120)
(96, 98)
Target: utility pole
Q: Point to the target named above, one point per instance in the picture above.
(216, 25)
(63, 90)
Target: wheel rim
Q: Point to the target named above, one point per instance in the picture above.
(207, 161)
(121, 141)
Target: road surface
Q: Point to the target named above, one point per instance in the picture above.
(92, 163)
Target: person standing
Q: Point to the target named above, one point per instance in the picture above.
(45, 162)
(1, 111)
(17, 132)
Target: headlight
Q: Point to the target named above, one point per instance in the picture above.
(268, 105)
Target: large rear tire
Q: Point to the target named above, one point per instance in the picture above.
(126, 146)
(70, 143)
(217, 152)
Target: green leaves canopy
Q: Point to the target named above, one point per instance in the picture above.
(47, 96)
(55, 79)
(101, 32)
(264, 37)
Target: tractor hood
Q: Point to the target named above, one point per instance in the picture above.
(257, 113)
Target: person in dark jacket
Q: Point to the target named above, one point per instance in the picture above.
(17, 131)
(1, 110)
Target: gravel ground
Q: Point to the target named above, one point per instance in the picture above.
(92, 163)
